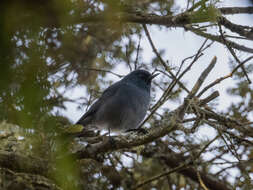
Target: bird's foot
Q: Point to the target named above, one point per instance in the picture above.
(110, 138)
(112, 141)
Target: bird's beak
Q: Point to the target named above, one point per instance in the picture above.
(153, 76)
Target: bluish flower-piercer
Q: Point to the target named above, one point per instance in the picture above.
(123, 105)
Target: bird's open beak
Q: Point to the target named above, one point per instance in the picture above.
(153, 76)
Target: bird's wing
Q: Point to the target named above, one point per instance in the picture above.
(88, 116)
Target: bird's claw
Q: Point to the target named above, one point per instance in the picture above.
(112, 141)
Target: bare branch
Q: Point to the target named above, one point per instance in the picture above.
(21, 163)
(203, 77)
(236, 10)
(155, 50)
(245, 31)
(172, 160)
(174, 82)
(21, 181)
(201, 181)
(219, 39)
(141, 18)
(103, 70)
(233, 54)
(240, 65)
(211, 97)
(176, 169)
(195, 89)
(137, 54)
(225, 77)
(127, 141)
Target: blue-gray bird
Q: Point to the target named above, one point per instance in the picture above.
(123, 105)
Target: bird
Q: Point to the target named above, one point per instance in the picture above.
(123, 105)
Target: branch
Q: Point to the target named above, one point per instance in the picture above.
(192, 174)
(245, 31)
(209, 98)
(161, 60)
(20, 181)
(236, 10)
(21, 163)
(225, 77)
(202, 77)
(227, 122)
(233, 54)
(127, 141)
(103, 70)
(176, 79)
(141, 18)
(176, 169)
(173, 160)
(180, 20)
(219, 39)
(195, 89)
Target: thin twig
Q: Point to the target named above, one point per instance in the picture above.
(169, 90)
(189, 120)
(174, 82)
(202, 184)
(176, 169)
(197, 55)
(196, 5)
(128, 55)
(206, 146)
(230, 150)
(238, 66)
(160, 58)
(103, 70)
(211, 97)
(202, 77)
(236, 10)
(154, 48)
(233, 54)
(137, 54)
(245, 31)
(224, 77)
(195, 88)
(218, 39)
(235, 37)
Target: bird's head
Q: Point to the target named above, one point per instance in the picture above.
(141, 78)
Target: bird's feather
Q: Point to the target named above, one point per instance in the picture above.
(123, 105)
(87, 118)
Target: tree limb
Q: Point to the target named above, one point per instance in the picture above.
(219, 39)
(245, 31)
(236, 10)
(20, 181)
(21, 163)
